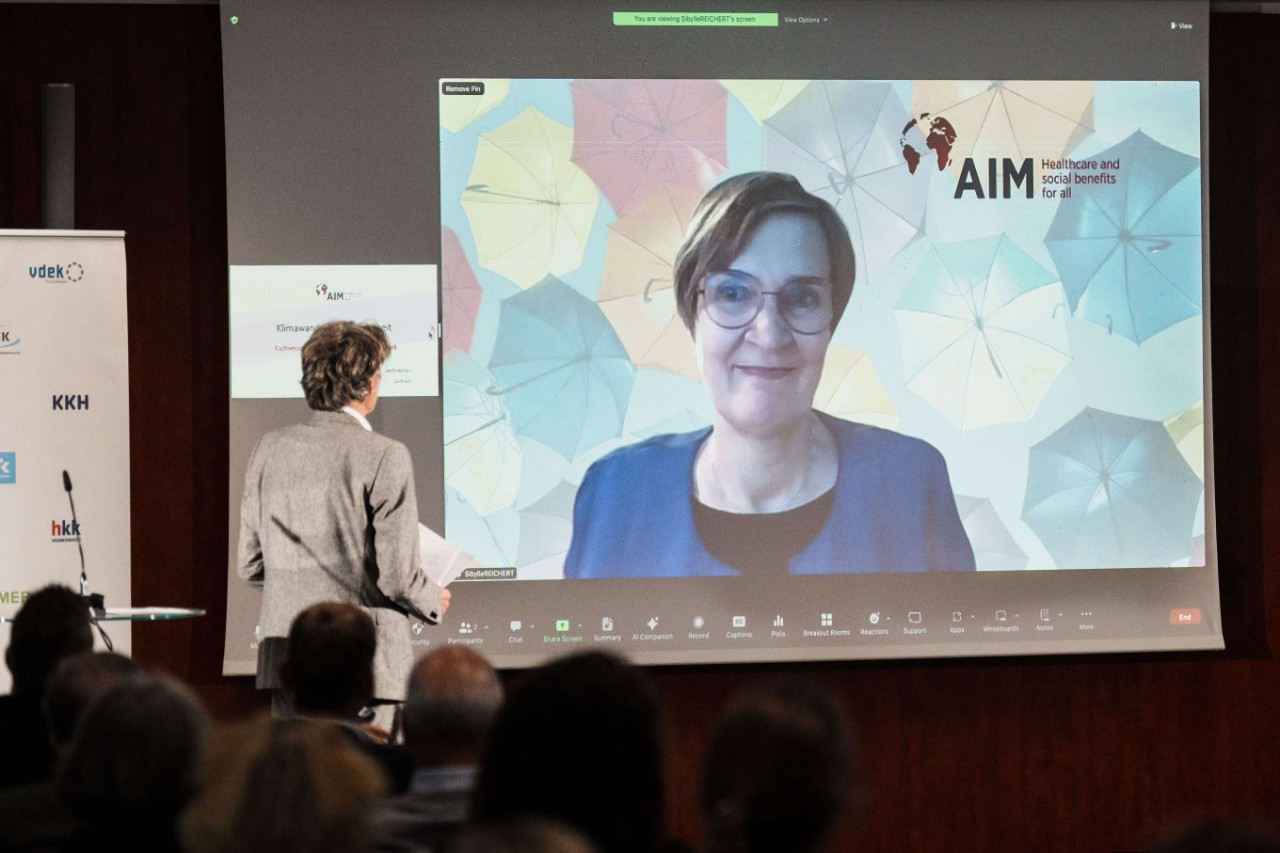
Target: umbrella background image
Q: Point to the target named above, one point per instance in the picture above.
(1108, 490)
(529, 206)
(629, 135)
(840, 140)
(560, 369)
(1129, 253)
(982, 337)
(599, 359)
(1041, 119)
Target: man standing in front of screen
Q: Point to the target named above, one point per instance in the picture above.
(329, 513)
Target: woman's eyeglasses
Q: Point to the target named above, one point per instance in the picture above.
(734, 300)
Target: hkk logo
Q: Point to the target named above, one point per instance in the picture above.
(65, 529)
(70, 402)
(73, 271)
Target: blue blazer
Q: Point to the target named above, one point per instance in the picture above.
(894, 511)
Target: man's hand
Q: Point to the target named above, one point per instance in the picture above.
(445, 595)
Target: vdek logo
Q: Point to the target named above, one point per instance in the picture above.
(57, 272)
(8, 468)
(70, 402)
(64, 531)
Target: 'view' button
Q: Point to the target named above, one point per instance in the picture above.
(1190, 616)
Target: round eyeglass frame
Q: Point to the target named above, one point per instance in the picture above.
(702, 293)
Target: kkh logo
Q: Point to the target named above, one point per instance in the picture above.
(57, 273)
(8, 468)
(70, 402)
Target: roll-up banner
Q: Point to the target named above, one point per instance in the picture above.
(64, 380)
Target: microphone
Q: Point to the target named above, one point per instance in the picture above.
(96, 601)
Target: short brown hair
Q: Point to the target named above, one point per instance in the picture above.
(331, 649)
(339, 362)
(728, 216)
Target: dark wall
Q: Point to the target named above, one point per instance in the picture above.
(1094, 753)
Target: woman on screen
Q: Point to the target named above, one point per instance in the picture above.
(773, 486)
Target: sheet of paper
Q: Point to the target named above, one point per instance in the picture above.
(440, 560)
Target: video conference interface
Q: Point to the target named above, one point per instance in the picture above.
(751, 334)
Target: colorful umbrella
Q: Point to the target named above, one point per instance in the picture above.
(481, 456)
(636, 290)
(546, 526)
(994, 548)
(492, 538)
(664, 402)
(460, 294)
(1187, 432)
(560, 368)
(763, 98)
(983, 336)
(1129, 252)
(840, 139)
(529, 206)
(851, 389)
(1009, 118)
(458, 111)
(631, 134)
(1110, 491)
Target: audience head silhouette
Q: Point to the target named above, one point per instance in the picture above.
(75, 684)
(1220, 835)
(134, 761)
(779, 771)
(283, 785)
(521, 835)
(329, 668)
(453, 696)
(575, 718)
(52, 624)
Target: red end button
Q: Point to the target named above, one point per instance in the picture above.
(1189, 616)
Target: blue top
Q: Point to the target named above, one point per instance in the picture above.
(894, 511)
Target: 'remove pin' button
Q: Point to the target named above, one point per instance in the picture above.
(1188, 616)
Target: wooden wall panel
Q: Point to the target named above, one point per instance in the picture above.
(1095, 753)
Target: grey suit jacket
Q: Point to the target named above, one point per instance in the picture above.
(329, 514)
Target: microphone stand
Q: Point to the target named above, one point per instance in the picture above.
(95, 601)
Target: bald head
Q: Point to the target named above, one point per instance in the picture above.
(454, 695)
